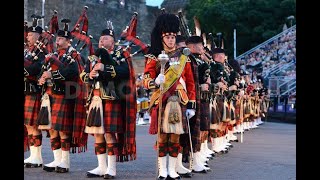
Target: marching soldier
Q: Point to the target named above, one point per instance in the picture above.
(177, 104)
(34, 57)
(219, 80)
(60, 71)
(112, 111)
(201, 156)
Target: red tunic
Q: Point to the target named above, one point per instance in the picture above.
(152, 70)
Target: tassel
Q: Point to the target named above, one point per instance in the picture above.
(40, 116)
(45, 119)
(90, 117)
(92, 120)
(97, 118)
(95, 114)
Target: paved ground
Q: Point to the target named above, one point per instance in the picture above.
(267, 153)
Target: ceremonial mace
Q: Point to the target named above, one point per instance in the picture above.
(163, 59)
(187, 52)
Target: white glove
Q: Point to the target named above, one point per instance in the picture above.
(160, 79)
(190, 113)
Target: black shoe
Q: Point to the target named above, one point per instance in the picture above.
(30, 165)
(186, 175)
(235, 140)
(161, 178)
(108, 176)
(231, 146)
(212, 155)
(90, 175)
(203, 171)
(49, 169)
(62, 170)
(170, 178)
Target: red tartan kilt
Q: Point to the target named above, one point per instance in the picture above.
(62, 113)
(31, 108)
(204, 116)
(80, 109)
(112, 116)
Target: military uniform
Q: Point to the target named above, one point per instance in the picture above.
(200, 122)
(178, 93)
(58, 101)
(34, 57)
(111, 107)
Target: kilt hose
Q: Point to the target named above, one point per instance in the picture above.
(31, 108)
(204, 116)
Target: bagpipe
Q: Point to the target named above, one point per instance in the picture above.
(81, 33)
(52, 62)
(127, 40)
(184, 29)
(44, 44)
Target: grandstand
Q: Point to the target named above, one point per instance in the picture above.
(275, 61)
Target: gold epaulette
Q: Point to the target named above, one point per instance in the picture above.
(150, 57)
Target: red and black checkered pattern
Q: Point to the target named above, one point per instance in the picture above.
(127, 140)
(173, 149)
(112, 149)
(163, 149)
(65, 144)
(205, 116)
(139, 43)
(55, 143)
(37, 140)
(31, 108)
(62, 113)
(112, 116)
(100, 148)
(79, 137)
(85, 39)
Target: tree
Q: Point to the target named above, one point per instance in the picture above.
(255, 20)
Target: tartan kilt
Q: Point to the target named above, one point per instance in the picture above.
(80, 110)
(204, 116)
(215, 115)
(31, 108)
(112, 116)
(155, 110)
(62, 113)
